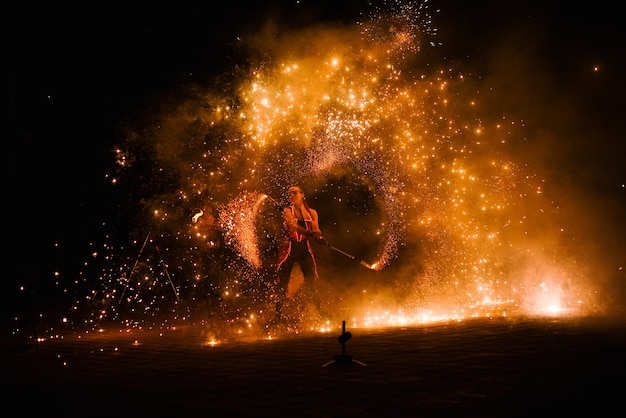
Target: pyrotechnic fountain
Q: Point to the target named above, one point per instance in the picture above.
(399, 158)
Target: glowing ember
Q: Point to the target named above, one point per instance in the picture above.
(403, 167)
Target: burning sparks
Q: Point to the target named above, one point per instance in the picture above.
(396, 158)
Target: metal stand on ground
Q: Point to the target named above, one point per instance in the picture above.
(343, 359)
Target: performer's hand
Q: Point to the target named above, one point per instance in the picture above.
(321, 240)
(313, 234)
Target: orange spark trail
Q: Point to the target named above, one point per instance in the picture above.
(405, 166)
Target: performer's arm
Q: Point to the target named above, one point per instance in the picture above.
(291, 223)
(316, 232)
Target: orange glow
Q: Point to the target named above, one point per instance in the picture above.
(411, 173)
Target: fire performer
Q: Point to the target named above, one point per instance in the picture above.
(302, 226)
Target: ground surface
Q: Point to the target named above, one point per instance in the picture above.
(483, 367)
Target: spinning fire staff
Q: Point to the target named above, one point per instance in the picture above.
(361, 262)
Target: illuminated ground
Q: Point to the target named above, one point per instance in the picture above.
(489, 367)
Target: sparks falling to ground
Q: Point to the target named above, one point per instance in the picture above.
(408, 172)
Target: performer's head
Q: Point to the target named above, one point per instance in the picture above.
(295, 194)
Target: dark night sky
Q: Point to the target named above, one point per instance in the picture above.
(75, 74)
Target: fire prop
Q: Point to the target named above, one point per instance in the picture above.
(353, 257)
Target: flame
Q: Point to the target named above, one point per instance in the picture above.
(197, 216)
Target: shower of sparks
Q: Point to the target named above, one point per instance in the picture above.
(407, 170)
(238, 221)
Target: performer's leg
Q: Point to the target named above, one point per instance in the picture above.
(309, 270)
(283, 272)
(282, 284)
